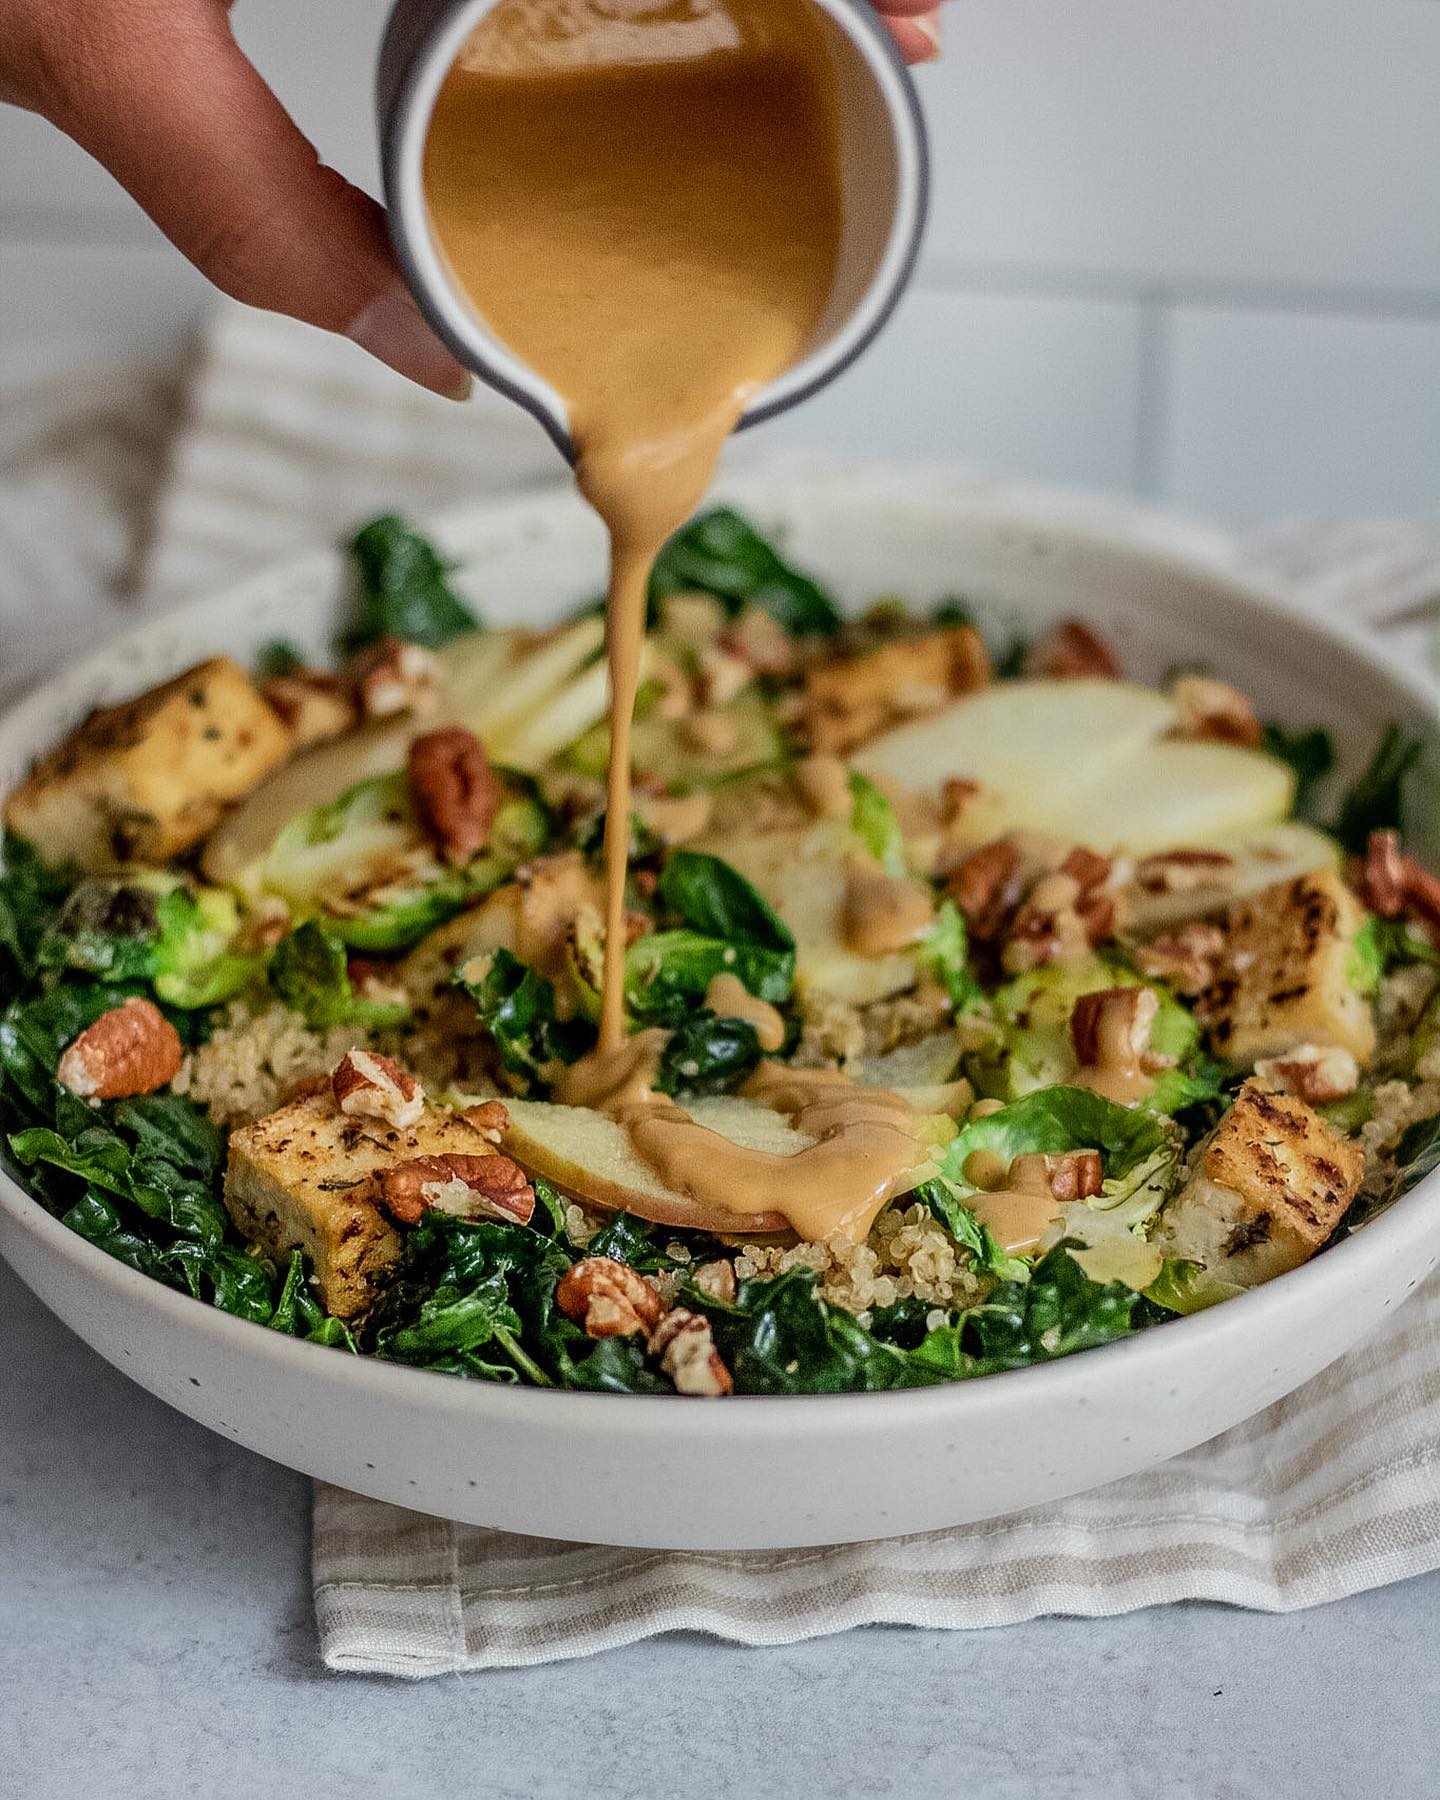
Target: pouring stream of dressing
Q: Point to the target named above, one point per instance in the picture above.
(643, 202)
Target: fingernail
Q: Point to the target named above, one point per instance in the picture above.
(392, 329)
(928, 26)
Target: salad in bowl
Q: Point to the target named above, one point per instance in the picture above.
(298, 965)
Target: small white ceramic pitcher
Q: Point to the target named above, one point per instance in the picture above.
(884, 163)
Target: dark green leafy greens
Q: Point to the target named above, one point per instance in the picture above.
(1310, 752)
(721, 553)
(1376, 800)
(724, 927)
(403, 591)
(517, 1007)
(707, 1054)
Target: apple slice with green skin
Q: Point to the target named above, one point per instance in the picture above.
(1090, 761)
(589, 1156)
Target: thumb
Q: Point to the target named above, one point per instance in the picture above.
(173, 108)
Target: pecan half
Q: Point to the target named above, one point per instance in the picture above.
(1214, 710)
(456, 792)
(393, 676)
(491, 1118)
(1076, 1175)
(1070, 649)
(1184, 871)
(466, 1187)
(609, 1298)
(1186, 959)
(687, 1353)
(1396, 886)
(370, 1086)
(1314, 1073)
(314, 704)
(1111, 1028)
(717, 1279)
(132, 1049)
(985, 889)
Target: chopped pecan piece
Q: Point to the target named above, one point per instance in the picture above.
(1076, 1175)
(1215, 710)
(1048, 927)
(1111, 1029)
(1314, 1073)
(132, 1049)
(1088, 869)
(491, 1118)
(467, 1187)
(985, 889)
(1184, 871)
(716, 1279)
(314, 704)
(1396, 886)
(609, 1298)
(370, 1086)
(1070, 649)
(392, 677)
(1186, 959)
(687, 1353)
(456, 792)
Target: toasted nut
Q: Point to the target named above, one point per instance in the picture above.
(491, 1118)
(1186, 959)
(466, 1187)
(132, 1049)
(393, 677)
(1184, 871)
(376, 981)
(1111, 1029)
(984, 887)
(370, 1086)
(609, 1298)
(676, 818)
(1076, 1175)
(1213, 709)
(1088, 869)
(1396, 886)
(711, 733)
(1314, 1073)
(314, 704)
(716, 1279)
(1047, 928)
(723, 675)
(1069, 649)
(956, 793)
(687, 1353)
(759, 639)
(456, 792)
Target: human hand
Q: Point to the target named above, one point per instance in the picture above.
(161, 94)
(915, 27)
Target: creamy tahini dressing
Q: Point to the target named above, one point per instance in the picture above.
(643, 202)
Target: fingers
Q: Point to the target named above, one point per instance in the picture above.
(168, 102)
(915, 27)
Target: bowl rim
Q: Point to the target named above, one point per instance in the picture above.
(1405, 1222)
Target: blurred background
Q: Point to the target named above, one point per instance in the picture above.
(1187, 250)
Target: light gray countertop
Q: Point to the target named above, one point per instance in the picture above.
(156, 1640)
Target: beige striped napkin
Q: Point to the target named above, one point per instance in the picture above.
(286, 439)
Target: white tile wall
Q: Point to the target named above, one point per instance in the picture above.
(1189, 248)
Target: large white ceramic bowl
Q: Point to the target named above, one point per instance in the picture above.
(757, 1472)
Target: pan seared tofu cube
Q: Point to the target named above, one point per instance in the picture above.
(1271, 1185)
(1286, 976)
(147, 780)
(303, 1179)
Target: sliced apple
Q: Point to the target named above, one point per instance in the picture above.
(802, 873)
(566, 714)
(528, 683)
(1259, 859)
(1091, 761)
(589, 1156)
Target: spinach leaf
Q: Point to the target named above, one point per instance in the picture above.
(630, 1240)
(403, 590)
(30, 892)
(297, 1313)
(1310, 752)
(708, 1055)
(1375, 802)
(310, 973)
(872, 819)
(277, 657)
(151, 1184)
(780, 1337)
(1058, 1311)
(717, 900)
(517, 1007)
(721, 553)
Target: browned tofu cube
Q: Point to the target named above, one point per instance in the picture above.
(847, 703)
(146, 780)
(1285, 977)
(1271, 1185)
(303, 1179)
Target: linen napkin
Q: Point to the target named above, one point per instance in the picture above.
(284, 439)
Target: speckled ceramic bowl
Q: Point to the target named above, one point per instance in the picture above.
(768, 1472)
